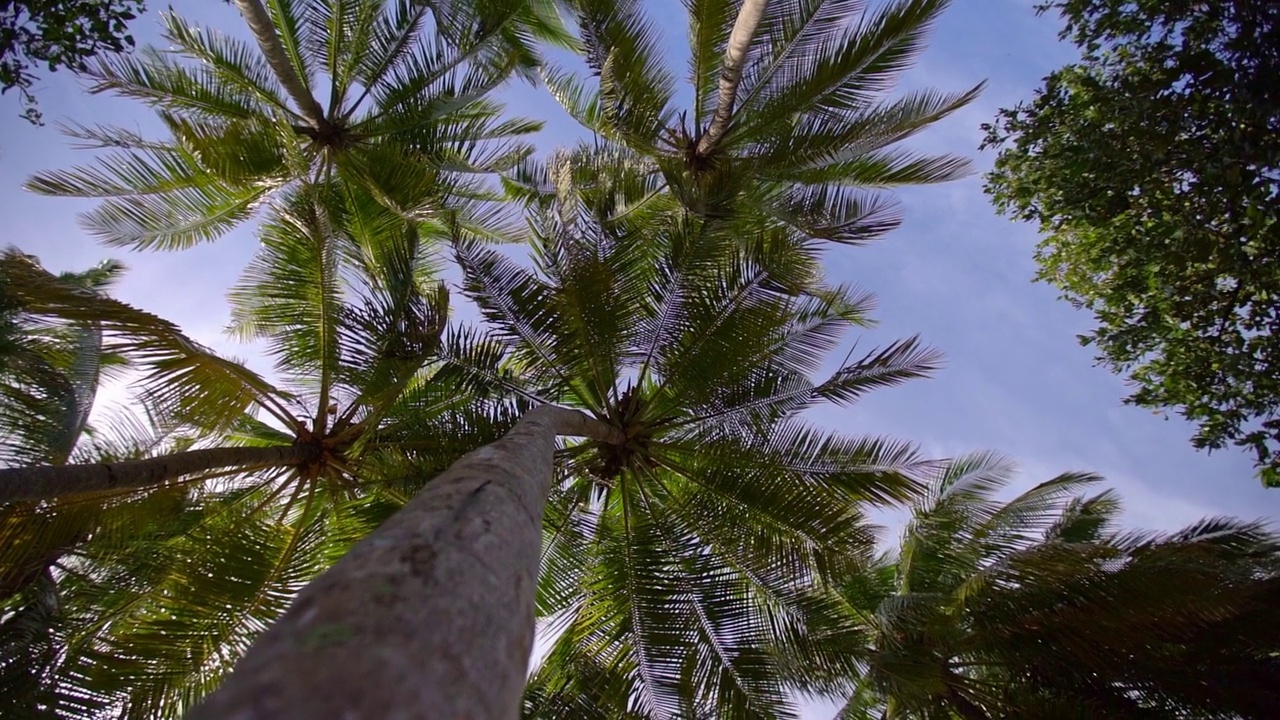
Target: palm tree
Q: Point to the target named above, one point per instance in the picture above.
(693, 516)
(44, 542)
(153, 623)
(787, 127)
(403, 115)
(46, 408)
(1039, 607)
(50, 371)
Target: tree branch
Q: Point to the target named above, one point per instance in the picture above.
(264, 31)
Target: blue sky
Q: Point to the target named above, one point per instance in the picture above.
(1015, 381)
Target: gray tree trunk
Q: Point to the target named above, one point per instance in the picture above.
(47, 482)
(264, 31)
(735, 58)
(429, 618)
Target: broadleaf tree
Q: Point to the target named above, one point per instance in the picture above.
(1150, 167)
(58, 34)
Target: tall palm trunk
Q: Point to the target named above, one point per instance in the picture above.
(735, 58)
(47, 482)
(259, 21)
(432, 615)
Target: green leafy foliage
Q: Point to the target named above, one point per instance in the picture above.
(709, 566)
(671, 562)
(408, 119)
(1038, 606)
(58, 34)
(49, 367)
(810, 138)
(105, 619)
(1150, 167)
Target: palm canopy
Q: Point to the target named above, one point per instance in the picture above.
(49, 376)
(49, 371)
(671, 560)
(806, 134)
(153, 616)
(1039, 606)
(391, 97)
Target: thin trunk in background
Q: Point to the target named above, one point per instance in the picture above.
(432, 616)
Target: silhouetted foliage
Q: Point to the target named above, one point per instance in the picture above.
(1151, 167)
(58, 34)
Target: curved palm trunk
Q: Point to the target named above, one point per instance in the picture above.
(735, 58)
(47, 482)
(259, 21)
(431, 616)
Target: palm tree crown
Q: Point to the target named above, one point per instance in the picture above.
(389, 98)
(155, 620)
(672, 559)
(1040, 607)
(786, 129)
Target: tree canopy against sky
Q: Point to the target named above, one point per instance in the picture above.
(1152, 166)
(1040, 605)
(58, 34)
(395, 417)
(407, 116)
(801, 136)
(321, 233)
(1016, 379)
(665, 560)
(295, 205)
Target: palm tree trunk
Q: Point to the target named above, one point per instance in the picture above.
(47, 482)
(431, 616)
(259, 21)
(735, 58)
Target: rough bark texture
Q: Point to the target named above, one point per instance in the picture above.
(735, 58)
(53, 481)
(431, 616)
(264, 31)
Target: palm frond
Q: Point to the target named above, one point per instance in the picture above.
(622, 48)
(184, 380)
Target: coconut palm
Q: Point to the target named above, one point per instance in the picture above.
(671, 561)
(50, 371)
(389, 97)
(787, 126)
(1039, 606)
(698, 502)
(153, 621)
(182, 379)
(42, 543)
